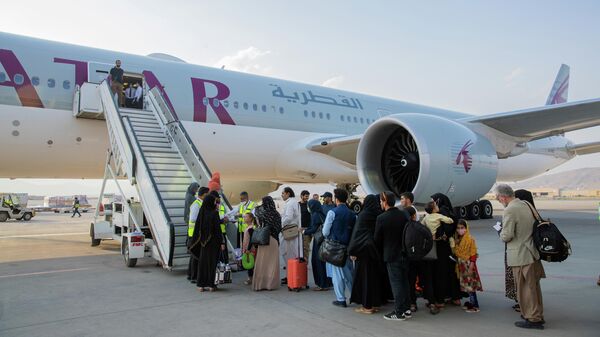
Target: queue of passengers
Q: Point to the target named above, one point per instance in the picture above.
(377, 270)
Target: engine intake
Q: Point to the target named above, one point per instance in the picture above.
(426, 154)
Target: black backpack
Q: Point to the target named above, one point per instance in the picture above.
(418, 240)
(548, 240)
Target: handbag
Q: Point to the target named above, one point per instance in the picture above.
(290, 232)
(318, 236)
(432, 255)
(333, 252)
(261, 236)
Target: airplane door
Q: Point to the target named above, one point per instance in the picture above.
(97, 72)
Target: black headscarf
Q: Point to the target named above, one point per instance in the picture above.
(362, 236)
(190, 196)
(207, 224)
(525, 195)
(268, 216)
(446, 209)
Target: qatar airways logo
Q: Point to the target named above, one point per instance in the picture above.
(464, 157)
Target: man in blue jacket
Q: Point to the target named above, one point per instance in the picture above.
(338, 226)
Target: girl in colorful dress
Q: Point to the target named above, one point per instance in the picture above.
(465, 250)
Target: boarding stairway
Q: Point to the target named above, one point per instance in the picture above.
(151, 148)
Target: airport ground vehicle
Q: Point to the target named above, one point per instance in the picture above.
(16, 212)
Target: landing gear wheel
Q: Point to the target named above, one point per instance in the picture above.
(27, 216)
(487, 211)
(474, 211)
(3, 217)
(125, 250)
(462, 212)
(356, 206)
(95, 242)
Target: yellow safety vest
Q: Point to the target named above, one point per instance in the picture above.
(222, 214)
(192, 224)
(243, 210)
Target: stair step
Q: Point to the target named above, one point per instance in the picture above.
(139, 129)
(175, 211)
(157, 150)
(173, 180)
(158, 160)
(174, 203)
(163, 155)
(157, 139)
(170, 174)
(172, 188)
(149, 133)
(167, 167)
(161, 145)
(138, 116)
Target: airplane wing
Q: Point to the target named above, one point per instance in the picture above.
(342, 148)
(584, 148)
(543, 122)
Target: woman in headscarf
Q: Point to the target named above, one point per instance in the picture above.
(444, 275)
(509, 279)
(369, 286)
(266, 263)
(317, 217)
(206, 242)
(190, 197)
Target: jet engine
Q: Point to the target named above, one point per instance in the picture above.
(426, 154)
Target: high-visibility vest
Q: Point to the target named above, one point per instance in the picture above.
(243, 210)
(221, 215)
(192, 223)
(76, 205)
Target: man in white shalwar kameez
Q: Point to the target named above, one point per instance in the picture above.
(289, 249)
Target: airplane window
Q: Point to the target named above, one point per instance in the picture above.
(254, 107)
(320, 115)
(305, 113)
(264, 108)
(328, 116)
(235, 104)
(216, 103)
(349, 119)
(245, 106)
(362, 120)
(34, 80)
(205, 101)
(281, 110)
(342, 118)
(19, 79)
(66, 85)
(226, 104)
(2, 77)
(368, 121)
(313, 114)
(355, 119)
(51, 83)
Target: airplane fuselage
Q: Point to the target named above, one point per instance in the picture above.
(42, 139)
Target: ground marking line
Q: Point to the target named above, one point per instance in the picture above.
(44, 272)
(38, 235)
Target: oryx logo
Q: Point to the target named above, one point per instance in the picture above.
(464, 157)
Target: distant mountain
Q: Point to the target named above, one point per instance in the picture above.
(583, 179)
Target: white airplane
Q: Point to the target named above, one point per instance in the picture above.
(259, 131)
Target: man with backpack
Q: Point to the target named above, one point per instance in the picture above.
(522, 256)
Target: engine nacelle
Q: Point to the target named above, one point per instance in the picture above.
(426, 154)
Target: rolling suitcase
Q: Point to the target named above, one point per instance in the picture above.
(297, 271)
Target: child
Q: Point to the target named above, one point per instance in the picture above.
(433, 220)
(466, 253)
(247, 247)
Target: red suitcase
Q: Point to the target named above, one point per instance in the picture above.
(297, 271)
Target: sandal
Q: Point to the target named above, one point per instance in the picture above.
(212, 289)
(517, 307)
(200, 290)
(248, 282)
(363, 310)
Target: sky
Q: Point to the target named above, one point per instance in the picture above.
(478, 57)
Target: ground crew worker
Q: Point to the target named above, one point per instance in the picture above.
(194, 211)
(7, 202)
(76, 208)
(245, 206)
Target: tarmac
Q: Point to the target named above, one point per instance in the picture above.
(52, 283)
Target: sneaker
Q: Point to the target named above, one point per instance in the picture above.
(408, 314)
(472, 310)
(339, 304)
(392, 316)
(529, 325)
(467, 306)
(543, 321)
